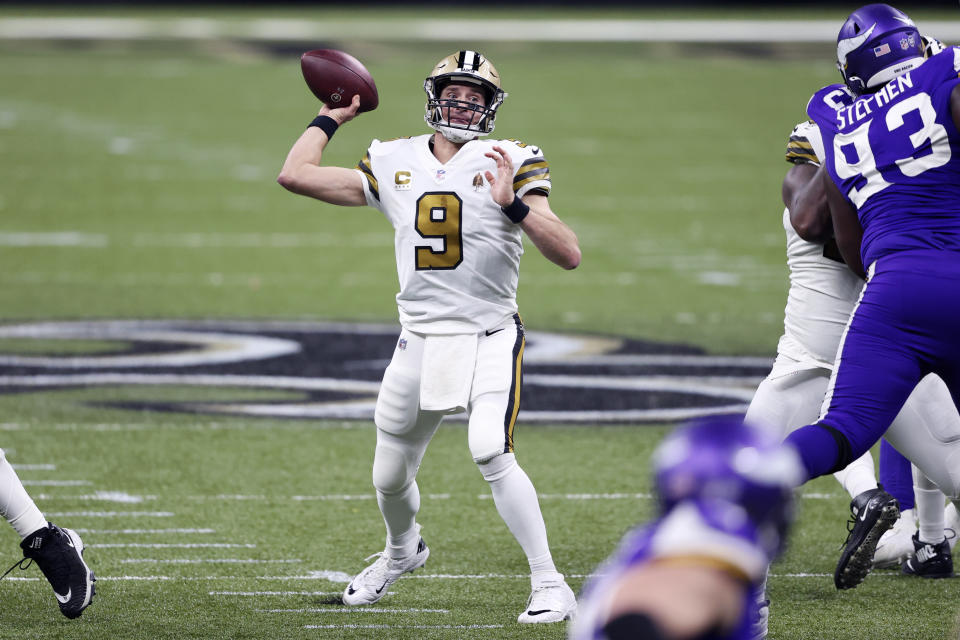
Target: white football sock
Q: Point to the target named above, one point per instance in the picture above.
(929, 503)
(517, 504)
(400, 514)
(15, 505)
(858, 476)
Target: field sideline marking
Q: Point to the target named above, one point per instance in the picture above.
(558, 30)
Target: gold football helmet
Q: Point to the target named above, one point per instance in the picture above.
(468, 67)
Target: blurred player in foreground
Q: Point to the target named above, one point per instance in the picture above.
(459, 207)
(58, 552)
(892, 178)
(725, 491)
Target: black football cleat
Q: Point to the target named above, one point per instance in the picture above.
(872, 513)
(59, 554)
(929, 560)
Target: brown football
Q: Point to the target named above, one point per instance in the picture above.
(335, 77)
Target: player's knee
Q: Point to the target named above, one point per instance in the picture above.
(397, 403)
(844, 449)
(497, 467)
(392, 470)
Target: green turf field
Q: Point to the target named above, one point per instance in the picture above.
(138, 181)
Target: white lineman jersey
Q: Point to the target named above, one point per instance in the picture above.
(458, 255)
(823, 290)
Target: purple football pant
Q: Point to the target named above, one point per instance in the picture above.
(906, 325)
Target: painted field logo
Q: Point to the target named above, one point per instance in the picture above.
(327, 370)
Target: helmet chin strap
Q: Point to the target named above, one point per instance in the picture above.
(455, 134)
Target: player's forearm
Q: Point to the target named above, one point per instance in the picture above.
(306, 152)
(555, 240)
(302, 173)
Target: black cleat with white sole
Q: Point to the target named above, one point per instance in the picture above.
(872, 513)
(59, 555)
(929, 560)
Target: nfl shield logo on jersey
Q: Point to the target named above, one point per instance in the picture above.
(402, 344)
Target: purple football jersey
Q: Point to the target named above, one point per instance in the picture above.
(895, 154)
(714, 531)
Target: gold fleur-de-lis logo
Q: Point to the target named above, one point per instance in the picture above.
(478, 182)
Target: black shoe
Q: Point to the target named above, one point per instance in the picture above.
(929, 560)
(59, 554)
(873, 512)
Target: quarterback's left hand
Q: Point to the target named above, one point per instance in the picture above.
(501, 185)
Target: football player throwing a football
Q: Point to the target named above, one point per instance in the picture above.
(57, 552)
(459, 206)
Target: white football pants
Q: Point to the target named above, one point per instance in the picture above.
(404, 431)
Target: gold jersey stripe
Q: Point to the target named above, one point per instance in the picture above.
(517, 365)
(803, 158)
(537, 169)
(517, 184)
(364, 166)
(800, 150)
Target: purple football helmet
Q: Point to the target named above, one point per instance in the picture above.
(721, 462)
(876, 44)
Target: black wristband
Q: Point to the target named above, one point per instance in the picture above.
(516, 210)
(326, 124)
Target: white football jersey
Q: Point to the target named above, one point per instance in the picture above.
(458, 255)
(823, 290)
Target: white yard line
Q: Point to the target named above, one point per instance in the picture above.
(53, 239)
(208, 561)
(111, 514)
(350, 610)
(141, 531)
(489, 576)
(173, 545)
(257, 594)
(100, 496)
(403, 626)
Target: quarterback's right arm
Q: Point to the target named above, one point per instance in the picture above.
(302, 173)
